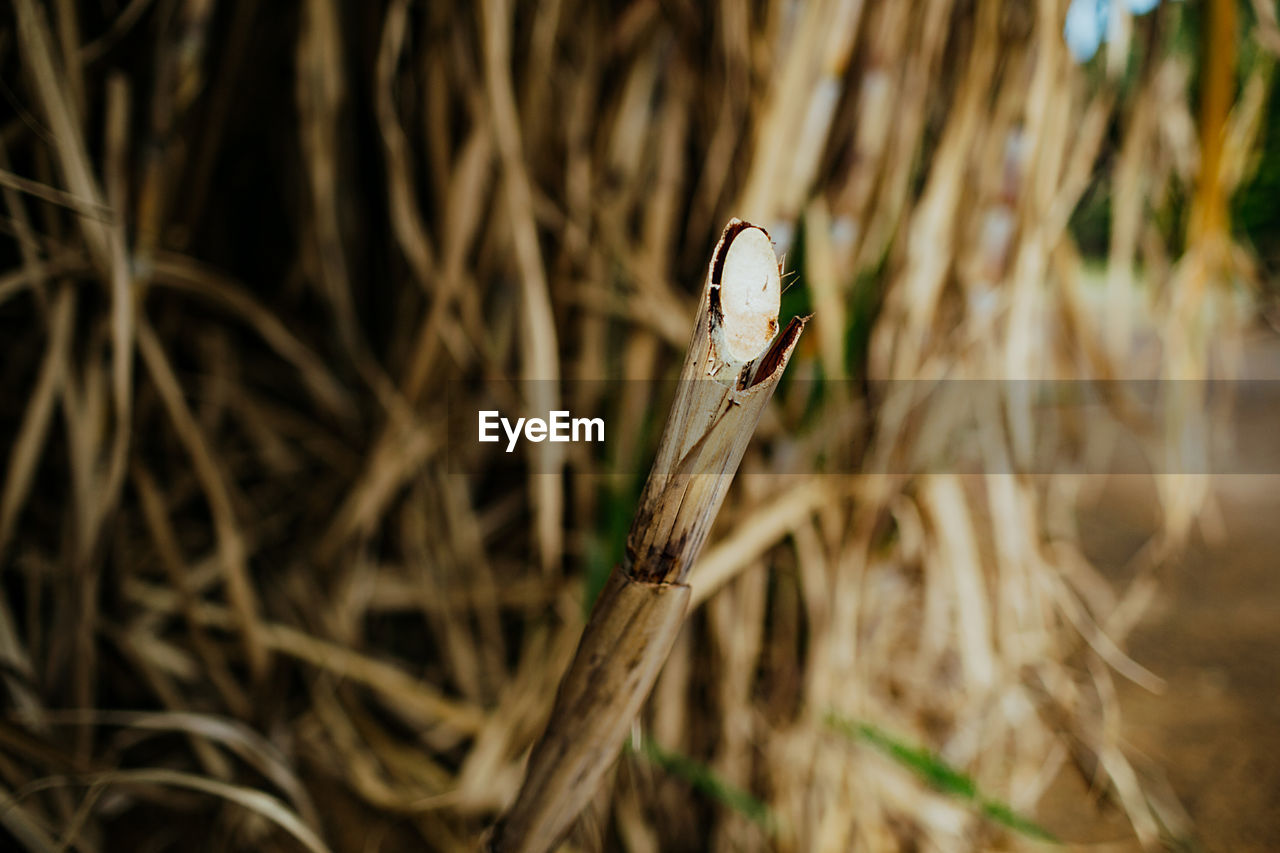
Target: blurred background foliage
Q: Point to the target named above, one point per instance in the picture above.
(256, 255)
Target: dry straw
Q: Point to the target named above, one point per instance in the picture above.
(245, 246)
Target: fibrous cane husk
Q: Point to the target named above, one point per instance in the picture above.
(637, 617)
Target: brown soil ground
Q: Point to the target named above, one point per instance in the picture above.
(1217, 642)
(1213, 634)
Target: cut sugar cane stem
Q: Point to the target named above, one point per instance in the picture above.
(750, 312)
(735, 359)
(722, 392)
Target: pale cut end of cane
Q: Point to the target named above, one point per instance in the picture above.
(750, 294)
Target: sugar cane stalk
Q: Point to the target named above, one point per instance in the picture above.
(732, 367)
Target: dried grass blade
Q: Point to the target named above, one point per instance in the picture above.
(264, 804)
(53, 195)
(753, 535)
(25, 827)
(68, 136)
(538, 334)
(399, 688)
(123, 305)
(246, 743)
(25, 453)
(406, 219)
(231, 543)
(320, 90)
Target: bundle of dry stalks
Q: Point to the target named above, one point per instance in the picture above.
(247, 248)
